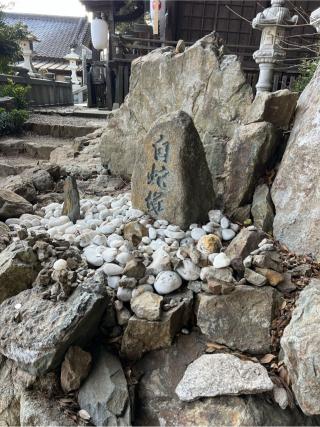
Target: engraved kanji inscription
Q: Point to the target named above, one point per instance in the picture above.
(161, 150)
(154, 202)
(158, 177)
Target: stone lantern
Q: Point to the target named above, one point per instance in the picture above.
(272, 22)
(73, 59)
(315, 19)
(26, 46)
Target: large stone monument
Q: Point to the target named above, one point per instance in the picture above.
(171, 179)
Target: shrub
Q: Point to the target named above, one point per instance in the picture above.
(18, 92)
(12, 121)
(306, 69)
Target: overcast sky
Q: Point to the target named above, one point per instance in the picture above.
(48, 7)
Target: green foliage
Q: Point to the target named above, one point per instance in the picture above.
(306, 69)
(10, 37)
(12, 121)
(18, 92)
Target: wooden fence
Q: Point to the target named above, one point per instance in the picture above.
(43, 92)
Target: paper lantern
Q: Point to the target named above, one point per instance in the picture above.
(99, 33)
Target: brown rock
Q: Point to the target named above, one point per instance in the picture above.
(147, 306)
(274, 278)
(209, 244)
(244, 243)
(141, 336)
(134, 231)
(75, 368)
(135, 269)
(71, 205)
(165, 182)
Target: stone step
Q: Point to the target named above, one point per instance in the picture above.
(30, 145)
(65, 127)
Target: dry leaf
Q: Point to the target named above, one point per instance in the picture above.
(283, 374)
(84, 415)
(267, 358)
(214, 346)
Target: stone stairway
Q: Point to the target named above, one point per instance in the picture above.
(66, 124)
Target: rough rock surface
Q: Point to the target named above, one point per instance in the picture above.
(262, 209)
(147, 306)
(104, 395)
(224, 318)
(276, 107)
(249, 154)
(157, 403)
(300, 344)
(244, 243)
(222, 374)
(295, 190)
(19, 268)
(171, 179)
(141, 335)
(12, 205)
(209, 87)
(46, 329)
(75, 368)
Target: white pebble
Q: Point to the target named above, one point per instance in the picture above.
(227, 234)
(109, 254)
(197, 233)
(59, 265)
(111, 269)
(167, 282)
(221, 261)
(124, 294)
(224, 222)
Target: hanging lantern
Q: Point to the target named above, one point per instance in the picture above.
(99, 33)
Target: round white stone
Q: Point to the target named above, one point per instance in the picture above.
(113, 281)
(123, 258)
(197, 233)
(124, 294)
(59, 265)
(100, 240)
(225, 223)
(167, 282)
(109, 254)
(111, 269)
(221, 261)
(175, 234)
(227, 234)
(188, 270)
(152, 233)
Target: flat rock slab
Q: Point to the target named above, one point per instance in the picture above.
(171, 179)
(104, 395)
(300, 344)
(241, 320)
(222, 374)
(244, 243)
(38, 342)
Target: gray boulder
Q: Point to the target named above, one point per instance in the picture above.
(157, 403)
(52, 327)
(19, 268)
(22, 186)
(171, 179)
(209, 87)
(104, 395)
(249, 154)
(300, 344)
(12, 205)
(276, 107)
(224, 318)
(295, 191)
(222, 374)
